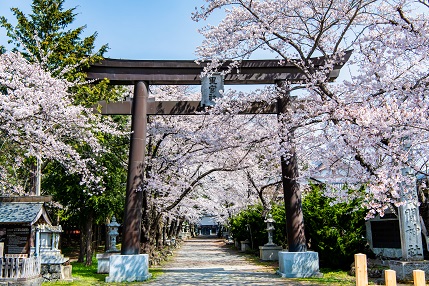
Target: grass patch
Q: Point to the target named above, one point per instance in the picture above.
(88, 276)
(82, 275)
(332, 277)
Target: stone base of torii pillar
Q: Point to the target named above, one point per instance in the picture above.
(128, 268)
(299, 264)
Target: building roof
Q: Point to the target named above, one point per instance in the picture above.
(22, 212)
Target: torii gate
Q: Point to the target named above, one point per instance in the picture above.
(142, 73)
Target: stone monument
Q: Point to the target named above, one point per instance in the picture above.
(384, 236)
(270, 250)
(411, 236)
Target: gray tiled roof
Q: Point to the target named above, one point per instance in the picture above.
(23, 212)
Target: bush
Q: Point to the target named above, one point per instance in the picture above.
(337, 231)
(279, 215)
(249, 221)
(252, 217)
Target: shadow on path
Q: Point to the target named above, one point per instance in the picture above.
(206, 260)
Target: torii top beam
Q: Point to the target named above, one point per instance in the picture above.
(187, 72)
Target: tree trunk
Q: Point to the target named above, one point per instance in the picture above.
(99, 235)
(171, 229)
(179, 228)
(158, 234)
(89, 236)
(33, 179)
(165, 231)
(81, 257)
(107, 236)
(96, 238)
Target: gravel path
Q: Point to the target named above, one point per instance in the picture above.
(205, 261)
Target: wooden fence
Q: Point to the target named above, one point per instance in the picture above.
(13, 268)
(389, 275)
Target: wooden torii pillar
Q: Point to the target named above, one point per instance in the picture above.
(142, 73)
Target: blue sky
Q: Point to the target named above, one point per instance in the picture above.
(133, 29)
(136, 29)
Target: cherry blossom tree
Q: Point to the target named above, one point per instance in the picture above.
(38, 117)
(369, 128)
(188, 160)
(83, 169)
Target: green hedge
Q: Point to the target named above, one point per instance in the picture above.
(336, 232)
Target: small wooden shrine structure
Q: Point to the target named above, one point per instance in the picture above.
(29, 241)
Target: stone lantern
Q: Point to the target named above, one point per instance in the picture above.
(113, 233)
(103, 259)
(270, 229)
(270, 250)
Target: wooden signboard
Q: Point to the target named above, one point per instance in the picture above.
(17, 240)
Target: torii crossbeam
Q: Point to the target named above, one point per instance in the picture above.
(142, 73)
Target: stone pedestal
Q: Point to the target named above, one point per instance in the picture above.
(103, 260)
(128, 268)
(298, 264)
(269, 252)
(66, 273)
(245, 245)
(404, 269)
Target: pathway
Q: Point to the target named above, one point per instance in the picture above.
(205, 261)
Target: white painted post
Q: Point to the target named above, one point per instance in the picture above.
(37, 246)
(419, 278)
(361, 270)
(38, 175)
